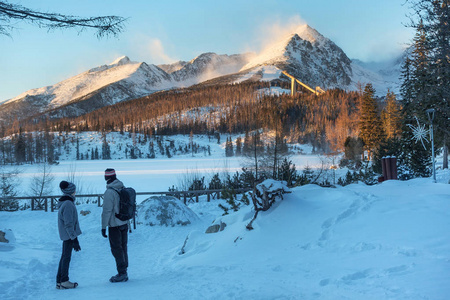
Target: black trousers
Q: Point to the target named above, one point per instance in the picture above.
(118, 239)
(64, 262)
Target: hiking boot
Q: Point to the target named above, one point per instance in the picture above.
(67, 285)
(119, 278)
(58, 285)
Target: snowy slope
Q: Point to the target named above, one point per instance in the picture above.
(263, 73)
(362, 75)
(388, 241)
(207, 66)
(384, 76)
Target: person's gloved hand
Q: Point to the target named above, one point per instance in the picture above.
(76, 245)
(104, 233)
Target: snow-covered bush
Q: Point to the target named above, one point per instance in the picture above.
(265, 194)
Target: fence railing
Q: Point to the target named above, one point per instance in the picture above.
(46, 202)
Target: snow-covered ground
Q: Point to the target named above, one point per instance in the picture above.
(387, 241)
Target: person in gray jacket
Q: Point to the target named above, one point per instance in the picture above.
(69, 230)
(117, 229)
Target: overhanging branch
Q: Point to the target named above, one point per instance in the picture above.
(105, 25)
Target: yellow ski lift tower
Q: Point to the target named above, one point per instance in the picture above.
(317, 91)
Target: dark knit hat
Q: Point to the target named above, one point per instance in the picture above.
(110, 174)
(67, 188)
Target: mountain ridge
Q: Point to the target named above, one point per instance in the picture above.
(305, 54)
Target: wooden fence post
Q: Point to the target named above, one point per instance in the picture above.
(45, 204)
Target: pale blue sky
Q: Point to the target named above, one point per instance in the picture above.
(166, 31)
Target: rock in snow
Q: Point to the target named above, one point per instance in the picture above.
(164, 211)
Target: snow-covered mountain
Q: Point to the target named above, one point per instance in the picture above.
(305, 54)
(310, 57)
(206, 66)
(119, 81)
(104, 85)
(145, 78)
(384, 75)
(317, 61)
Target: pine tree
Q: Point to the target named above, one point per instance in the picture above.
(432, 42)
(20, 148)
(229, 147)
(238, 146)
(78, 148)
(371, 130)
(215, 183)
(439, 24)
(255, 154)
(106, 150)
(406, 88)
(50, 148)
(151, 150)
(391, 116)
(246, 147)
(422, 79)
(414, 159)
(287, 171)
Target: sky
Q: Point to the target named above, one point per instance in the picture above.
(160, 32)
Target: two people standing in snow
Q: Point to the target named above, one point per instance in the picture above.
(69, 230)
(117, 229)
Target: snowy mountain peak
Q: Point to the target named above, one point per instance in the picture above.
(309, 56)
(309, 34)
(303, 39)
(204, 56)
(123, 60)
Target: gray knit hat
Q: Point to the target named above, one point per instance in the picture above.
(67, 188)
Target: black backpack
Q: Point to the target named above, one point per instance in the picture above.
(127, 203)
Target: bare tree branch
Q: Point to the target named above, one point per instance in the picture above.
(105, 25)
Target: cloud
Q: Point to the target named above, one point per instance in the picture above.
(150, 50)
(157, 53)
(272, 32)
(379, 49)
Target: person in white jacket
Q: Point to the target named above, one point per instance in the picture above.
(69, 230)
(117, 229)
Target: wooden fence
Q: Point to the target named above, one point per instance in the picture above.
(46, 202)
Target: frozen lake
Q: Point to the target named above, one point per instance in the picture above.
(145, 175)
